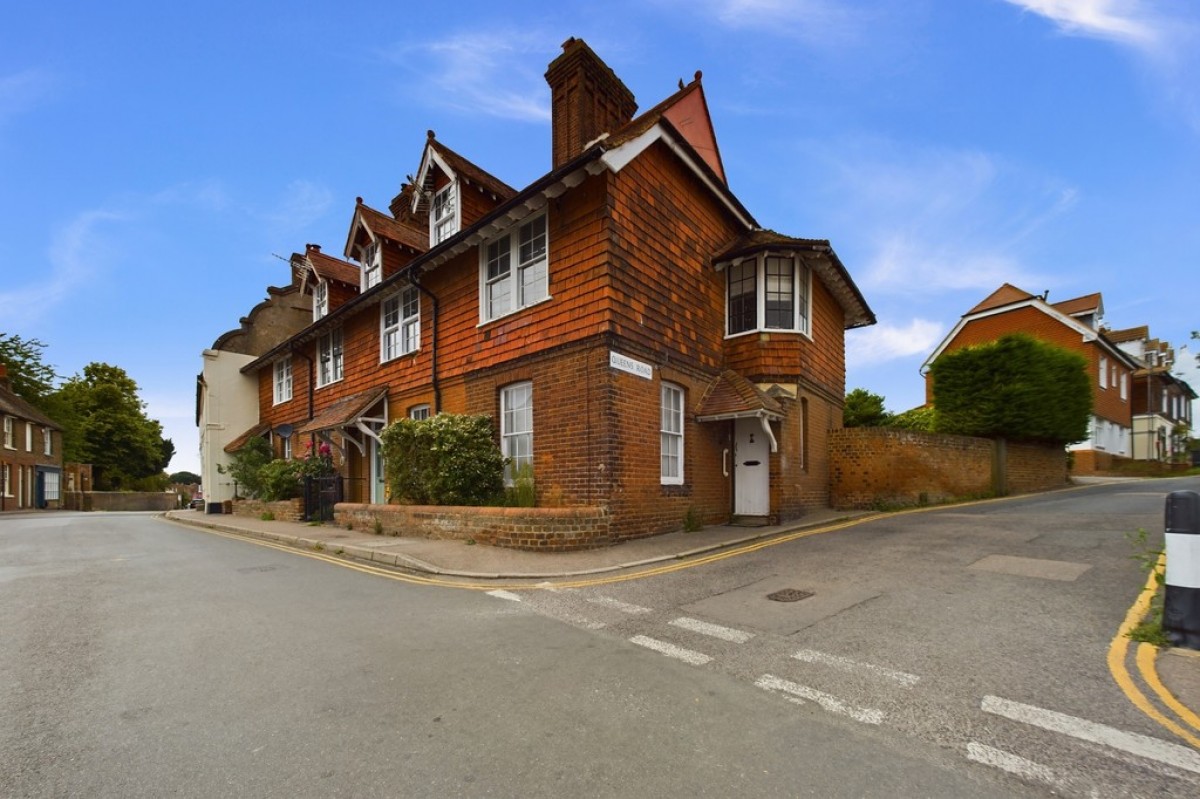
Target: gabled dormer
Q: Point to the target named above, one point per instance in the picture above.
(331, 281)
(381, 245)
(453, 192)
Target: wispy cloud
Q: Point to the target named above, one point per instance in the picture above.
(1126, 21)
(823, 23)
(302, 204)
(20, 91)
(886, 342)
(485, 73)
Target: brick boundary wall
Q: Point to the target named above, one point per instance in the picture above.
(119, 500)
(530, 529)
(873, 466)
(285, 510)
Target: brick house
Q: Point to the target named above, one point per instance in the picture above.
(1074, 325)
(30, 453)
(1162, 402)
(642, 343)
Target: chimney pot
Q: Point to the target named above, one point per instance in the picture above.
(587, 100)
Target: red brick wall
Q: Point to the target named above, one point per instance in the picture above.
(878, 466)
(533, 529)
(286, 510)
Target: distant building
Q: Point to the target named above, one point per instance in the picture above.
(1162, 401)
(30, 453)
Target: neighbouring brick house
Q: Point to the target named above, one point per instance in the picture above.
(1074, 325)
(641, 342)
(1162, 401)
(30, 453)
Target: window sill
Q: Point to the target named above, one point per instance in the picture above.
(771, 331)
(330, 383)
(402, 356)
(514, 312)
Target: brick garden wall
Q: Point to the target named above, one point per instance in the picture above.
(287, 510)
(120, 500)
(874, 466)
(532, 529)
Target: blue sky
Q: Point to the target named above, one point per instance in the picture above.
(155, 159)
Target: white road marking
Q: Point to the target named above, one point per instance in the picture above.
(904, 679)
(670, 650)
(826, 701)
(502, 594)
(713, 630)
(581, 621)
(1011, 763)
(617, 604)
(1131, 742)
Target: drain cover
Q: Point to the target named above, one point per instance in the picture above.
(789, 595)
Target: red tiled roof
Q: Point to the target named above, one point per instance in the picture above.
(244, 438)
(12, 404)
(1005, 295)
(1088, 303)
(1139, 333)
(329, 268)
(472, 173)
(393, 230)
(730, 394)
(344, 411)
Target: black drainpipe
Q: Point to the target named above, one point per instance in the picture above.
(437, 392)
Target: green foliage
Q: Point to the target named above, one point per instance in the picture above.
(1016, 387)
(184, 478)
(278, 479)
(267, 516)
(106, 425)
(522, 493)
(246, 465)
(155, 482)
(864, 409)
(917, 419)
(28, 374)
(692, 520)
(448, 459)
(1150, 630)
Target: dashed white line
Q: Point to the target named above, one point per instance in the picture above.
(581, 621)
(1011, 763)
(617, 604)
(1131, 742)
(712, 630)
(826, 701)
(502, 594)
(670, 650)
(904, 679)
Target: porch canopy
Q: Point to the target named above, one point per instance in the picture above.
(260, 429)
(356, 417)
(732, 396)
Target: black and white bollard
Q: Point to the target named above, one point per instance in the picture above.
(1181, 606)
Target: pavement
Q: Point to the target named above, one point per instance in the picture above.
(1177, 671)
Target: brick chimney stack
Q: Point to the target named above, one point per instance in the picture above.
(586, 100)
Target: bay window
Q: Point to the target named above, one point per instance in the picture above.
(767, 292)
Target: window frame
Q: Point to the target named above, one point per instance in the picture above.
(510, 437)
(402, 337)
(330, 348)
(281, 384)
(321, 300)
(1103, 372)
(370, 260)
(507, 247)
(668, 436)
(6, 478)
(419, 413)
(47, 441)
(29, 436)
(10, 436)
(444, 225)
(761, 263)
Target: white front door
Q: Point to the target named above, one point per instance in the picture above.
(751, 469)
(378, 482)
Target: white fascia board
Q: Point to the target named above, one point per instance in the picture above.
(619, 157)
(428, 161)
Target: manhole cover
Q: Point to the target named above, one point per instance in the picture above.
(789, 595)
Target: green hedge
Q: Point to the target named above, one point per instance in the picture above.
(1017, 387)
(448, 459)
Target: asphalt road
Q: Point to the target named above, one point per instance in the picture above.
(141, 659)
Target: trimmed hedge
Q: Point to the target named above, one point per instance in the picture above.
(448, 459)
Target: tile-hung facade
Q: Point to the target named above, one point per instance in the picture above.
(640, 341)
(1074, 325)
(30, 453)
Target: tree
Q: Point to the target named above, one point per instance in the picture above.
(28, 374)
(864, 409)
(106, 425)
(919, 419)
(184, 478)
(1016, 387)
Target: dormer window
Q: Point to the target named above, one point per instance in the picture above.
(443, 215)
(371, 259)
(767, 292)
(320, 300)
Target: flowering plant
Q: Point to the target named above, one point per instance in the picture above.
(316, 464)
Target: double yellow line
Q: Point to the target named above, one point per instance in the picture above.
(1184, 723)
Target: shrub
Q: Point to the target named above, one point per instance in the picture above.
(246, 464)
(448, 459)
(278, 479)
